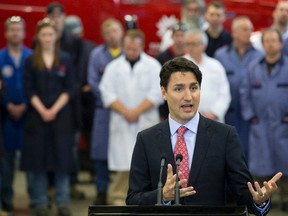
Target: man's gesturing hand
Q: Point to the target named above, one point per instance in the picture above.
(261, 195)
(168, 189)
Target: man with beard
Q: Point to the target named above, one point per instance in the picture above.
(280, 23)
(12, 58)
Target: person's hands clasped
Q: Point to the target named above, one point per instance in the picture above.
(169, 187)
(261, 195)
(131, 116)
(48, 115)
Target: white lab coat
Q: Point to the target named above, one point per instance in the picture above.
(130, 87)
(215, 90)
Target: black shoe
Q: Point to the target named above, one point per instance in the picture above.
(8, 207)
(101, 199)
(64, 211)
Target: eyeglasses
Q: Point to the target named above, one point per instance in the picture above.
(45, 21)
(179, 27)
(14, 19)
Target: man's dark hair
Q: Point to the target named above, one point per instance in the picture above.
(216, 4)
(54, 6)
(178, 64)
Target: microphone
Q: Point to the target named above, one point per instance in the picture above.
(160, 185)
(179, 158)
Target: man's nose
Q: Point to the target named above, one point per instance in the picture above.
(187, 94)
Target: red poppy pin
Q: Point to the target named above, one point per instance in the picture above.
(62, 70)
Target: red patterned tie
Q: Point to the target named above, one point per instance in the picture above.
(180, 148)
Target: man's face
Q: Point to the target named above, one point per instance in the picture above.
(179, 39)
(182, 96)
(113, 35)
(58, 18)
(194, 45)
(132, 48)
(271, 43)
(243, 31)
(15, 33)
(192, 10)
(215, 16)
(280, 13)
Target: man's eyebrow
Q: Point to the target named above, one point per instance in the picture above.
(181, 84)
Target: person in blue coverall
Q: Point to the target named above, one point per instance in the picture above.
(101, 56)
(235, 58)
(12, 59)
(264, 102)
(2, 212)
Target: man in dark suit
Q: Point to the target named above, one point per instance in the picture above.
(214, 152)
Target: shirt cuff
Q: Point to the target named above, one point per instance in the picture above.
(168, 203)
(264, 207)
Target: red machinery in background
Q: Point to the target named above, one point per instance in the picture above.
(152, 15)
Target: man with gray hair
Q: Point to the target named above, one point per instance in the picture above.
(192, 13)
(215, 96)
(235, 58)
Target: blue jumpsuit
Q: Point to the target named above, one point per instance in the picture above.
(236, 68)
(99, 58)
(12, 129)
(265, 97)
(12, 78)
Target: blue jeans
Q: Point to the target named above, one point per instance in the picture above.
(102, 175)
(7, 167)
(38, 189)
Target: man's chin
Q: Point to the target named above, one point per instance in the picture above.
(188, 115)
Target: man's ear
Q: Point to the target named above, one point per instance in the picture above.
(163, 92)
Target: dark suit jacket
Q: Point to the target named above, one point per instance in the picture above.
(218, 158)
(1, 110)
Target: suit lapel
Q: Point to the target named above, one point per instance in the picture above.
(166, 146)
(201, 147)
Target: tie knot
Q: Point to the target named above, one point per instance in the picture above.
(182, 130)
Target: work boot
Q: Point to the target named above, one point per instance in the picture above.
(101, 199)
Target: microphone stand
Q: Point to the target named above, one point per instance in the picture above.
(177, 187)
(160, 185)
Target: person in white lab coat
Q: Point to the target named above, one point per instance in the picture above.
(130, 88)
(215, 89)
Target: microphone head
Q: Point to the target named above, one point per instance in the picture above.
(179, 157)
(163, 159)
(163, 156)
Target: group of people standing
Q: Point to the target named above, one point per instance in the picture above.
(44, 89)
(245, 80)
(40, 110)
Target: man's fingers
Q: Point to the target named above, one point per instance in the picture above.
(258, 188)
(169, 171)
(276, 177)
(251, 189)
(187, 191)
